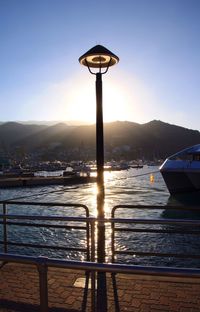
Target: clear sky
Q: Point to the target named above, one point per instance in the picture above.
(157, 41)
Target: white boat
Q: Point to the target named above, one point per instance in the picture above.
(181, 171)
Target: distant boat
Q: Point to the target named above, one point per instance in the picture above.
(181, 171)
(77, 170)
(16, 170)
(113, 167)
(137, 166)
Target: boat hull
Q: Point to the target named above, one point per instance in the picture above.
(181, 181)
(181, 171)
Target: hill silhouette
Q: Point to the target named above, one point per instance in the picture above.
(123, 139)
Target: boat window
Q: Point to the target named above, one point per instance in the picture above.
(196, 157)
(183, 157)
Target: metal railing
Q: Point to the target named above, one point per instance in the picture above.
(37, 221)
(190, 227)
(116, 224)
(43, 263)
(87, 224)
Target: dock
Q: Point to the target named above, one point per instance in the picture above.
(6, 182)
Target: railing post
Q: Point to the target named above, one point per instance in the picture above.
(93, 274)
(5, 241)
(88, 237)
(43, 284)
(113, 239)
(92, 224)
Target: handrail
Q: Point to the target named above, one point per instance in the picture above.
(43, 263)
(113, 222)
(23, 220)
(103, 267)
(152, 207)
(50, 218)
(15, 202)
(6, 217)
(160, 221)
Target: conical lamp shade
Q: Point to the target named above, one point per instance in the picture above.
(98, 57)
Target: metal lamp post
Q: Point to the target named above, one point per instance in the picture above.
(98, 60)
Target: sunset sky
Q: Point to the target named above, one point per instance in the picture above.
(157, 41)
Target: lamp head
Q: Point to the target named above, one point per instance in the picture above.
(98, 57)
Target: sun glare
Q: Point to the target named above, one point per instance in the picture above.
(116, 102)
(81, 102)
(75, 100)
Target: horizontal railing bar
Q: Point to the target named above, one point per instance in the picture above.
(154, 221)
(111, 220)
(154, 207)
(54, 218)
(155, 231)
(67, 227)
(103, 267)
(14, 202)
(45, 246)
(156, 254)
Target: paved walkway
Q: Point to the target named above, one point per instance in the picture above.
(19, 291)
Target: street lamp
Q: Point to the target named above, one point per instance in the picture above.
(98, 60)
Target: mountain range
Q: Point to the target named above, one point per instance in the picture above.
(123, 139)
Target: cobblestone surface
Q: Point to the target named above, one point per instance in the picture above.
(19, 291)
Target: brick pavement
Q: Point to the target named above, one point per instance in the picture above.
(19, 291)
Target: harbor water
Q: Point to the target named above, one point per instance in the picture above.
(144, 186)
